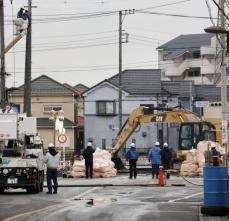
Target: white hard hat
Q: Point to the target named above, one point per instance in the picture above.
(213, 145)
(132, 145)
(157, 143)
(89, 144)
(51, 145)
(165, 144)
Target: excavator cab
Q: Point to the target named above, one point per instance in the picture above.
(190, 134)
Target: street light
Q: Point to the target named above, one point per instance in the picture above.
(56, 117)
(222, 30)
(218, 30)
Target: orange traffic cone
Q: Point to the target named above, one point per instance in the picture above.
(161, 180)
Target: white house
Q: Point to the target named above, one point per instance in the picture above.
(190, 57)
(139, 87)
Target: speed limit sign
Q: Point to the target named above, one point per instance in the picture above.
(62, 138)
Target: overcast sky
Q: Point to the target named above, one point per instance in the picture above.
(73, 45)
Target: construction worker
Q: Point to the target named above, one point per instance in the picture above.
(20, 13)
(215, 155)
(52, 159)
(166, 157)
(132, 157)
(88, 156)
(25, 16)
(154, 157)
(212, 157)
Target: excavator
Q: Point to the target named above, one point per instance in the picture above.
(192, 128)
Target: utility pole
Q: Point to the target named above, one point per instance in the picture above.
(28, 61)
(223, 78)
(121, 41)
(2, 46)
(120, 71)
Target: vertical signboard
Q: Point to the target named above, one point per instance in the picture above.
(224, 131)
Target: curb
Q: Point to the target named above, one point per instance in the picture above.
(118, 185)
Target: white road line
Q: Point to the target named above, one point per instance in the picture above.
(85, 193)
(186, 197)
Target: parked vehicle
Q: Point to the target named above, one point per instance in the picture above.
(21, 159)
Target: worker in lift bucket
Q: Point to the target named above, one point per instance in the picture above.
(52, 159)
(88, 156)
(20, 13)
(132, 157)
(154, 158)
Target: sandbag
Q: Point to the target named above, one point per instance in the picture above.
(102, 165)
(188, 169)
(195, 159)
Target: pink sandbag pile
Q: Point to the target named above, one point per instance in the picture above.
(103, 166)
(195, 161)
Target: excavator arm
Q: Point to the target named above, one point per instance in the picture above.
(146, 115)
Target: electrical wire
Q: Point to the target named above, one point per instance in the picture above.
(220, 9)
(173, 15)
(108, 13)
(210, 12)
(90, 66)
(74, 35)
(196, 184)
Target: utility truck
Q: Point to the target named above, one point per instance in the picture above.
(21, 154)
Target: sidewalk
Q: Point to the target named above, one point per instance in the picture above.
(123, 180)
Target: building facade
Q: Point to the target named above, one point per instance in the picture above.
(190, 57)
(49, 95)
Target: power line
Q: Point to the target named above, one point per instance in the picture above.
(68, 48)
(80, 16)
(74, 35)
(221, 9)
(173, 15)
(90, 66)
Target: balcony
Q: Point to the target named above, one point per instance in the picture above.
(208, 51)
(174, 68)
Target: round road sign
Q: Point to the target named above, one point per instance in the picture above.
(62, 138)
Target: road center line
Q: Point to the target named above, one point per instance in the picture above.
(85, 193)
(30, 212)
(186, 197)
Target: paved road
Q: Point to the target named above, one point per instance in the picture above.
(109, 199)
(104, 204)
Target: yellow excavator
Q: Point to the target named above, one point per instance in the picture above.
(192, 128)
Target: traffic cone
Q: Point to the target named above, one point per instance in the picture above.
(161, 180)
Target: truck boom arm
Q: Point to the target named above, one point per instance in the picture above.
(14, 41)
(146, 115)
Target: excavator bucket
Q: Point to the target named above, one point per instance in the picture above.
(119, 165)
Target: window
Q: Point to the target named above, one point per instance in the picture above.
(194, 72)
(103, 143)
(196, 54)
(48, 108)
(105, 107)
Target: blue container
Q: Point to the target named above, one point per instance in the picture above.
(216, 186)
